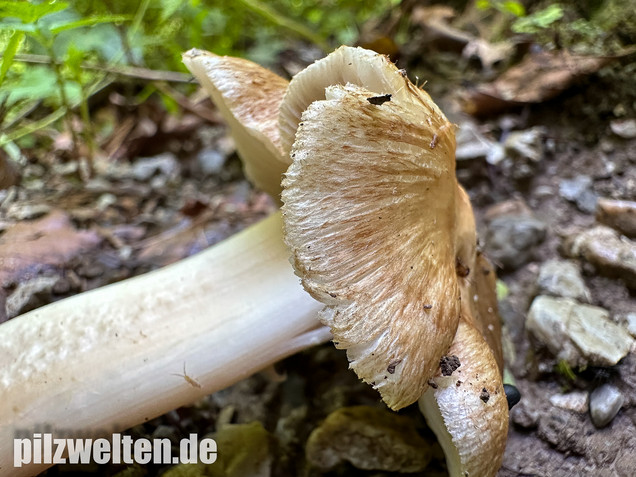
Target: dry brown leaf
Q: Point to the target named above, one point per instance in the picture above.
(28, 247)
(539, 77)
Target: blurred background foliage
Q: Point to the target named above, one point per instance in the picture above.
(59, 53)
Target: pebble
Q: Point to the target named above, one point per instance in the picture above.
(368, 438)
(211, 161)
(512, 233)
(520, 153)
(630, 323)
(525, 416)
(24, 297)
(562, 278)
(618, 214)
(605, 402)
(165, 165)
(625, 128)
(603, 247)
(579, 334)
(471, 144)
(579, 190)
(573, 401)
(526, 144)
(21, 211)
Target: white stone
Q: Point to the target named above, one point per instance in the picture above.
(575, 401)
(579, 334)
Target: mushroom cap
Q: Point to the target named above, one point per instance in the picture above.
(248, 97)
(369, 217)
(348, 65)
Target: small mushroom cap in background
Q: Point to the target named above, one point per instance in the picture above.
(248, 97)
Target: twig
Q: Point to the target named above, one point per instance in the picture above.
(185, 102)
(128, 71)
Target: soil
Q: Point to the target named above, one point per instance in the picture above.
(544, 440)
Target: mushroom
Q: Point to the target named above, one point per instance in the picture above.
(109, 359)
(382, 234)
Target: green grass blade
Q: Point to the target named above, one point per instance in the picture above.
(9, 53)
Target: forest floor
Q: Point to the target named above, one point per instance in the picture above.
(536, 168)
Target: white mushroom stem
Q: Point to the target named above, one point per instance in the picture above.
(468, 410)
(108, 359)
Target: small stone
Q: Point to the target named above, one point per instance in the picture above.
(618, 214)
(370, 439)
(165, 165)
(519, 154)
(603, 247)
(525, 416)
(579, 334)
(526, 144)
(562, 278)
(579, 190)
(66, 168)
(512, 234)
(211, 161)
(21, 211)
(574, 401)
(605, 402)
(25, 296)
(625, 128)
(471, 144)
(105, 200)
(630, 323)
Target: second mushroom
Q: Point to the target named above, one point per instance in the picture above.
(380, 232)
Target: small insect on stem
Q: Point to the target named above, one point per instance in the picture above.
(436, 136)
(379, 100)
(191, 381)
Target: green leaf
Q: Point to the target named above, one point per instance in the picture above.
(72, 24)
(539, 20)
(564, 368)
(168, 8)
(9, 53)
(483, 4)
(502, 290)
(516, 8)
(73, 61)
(29, 12)
(38, 82)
